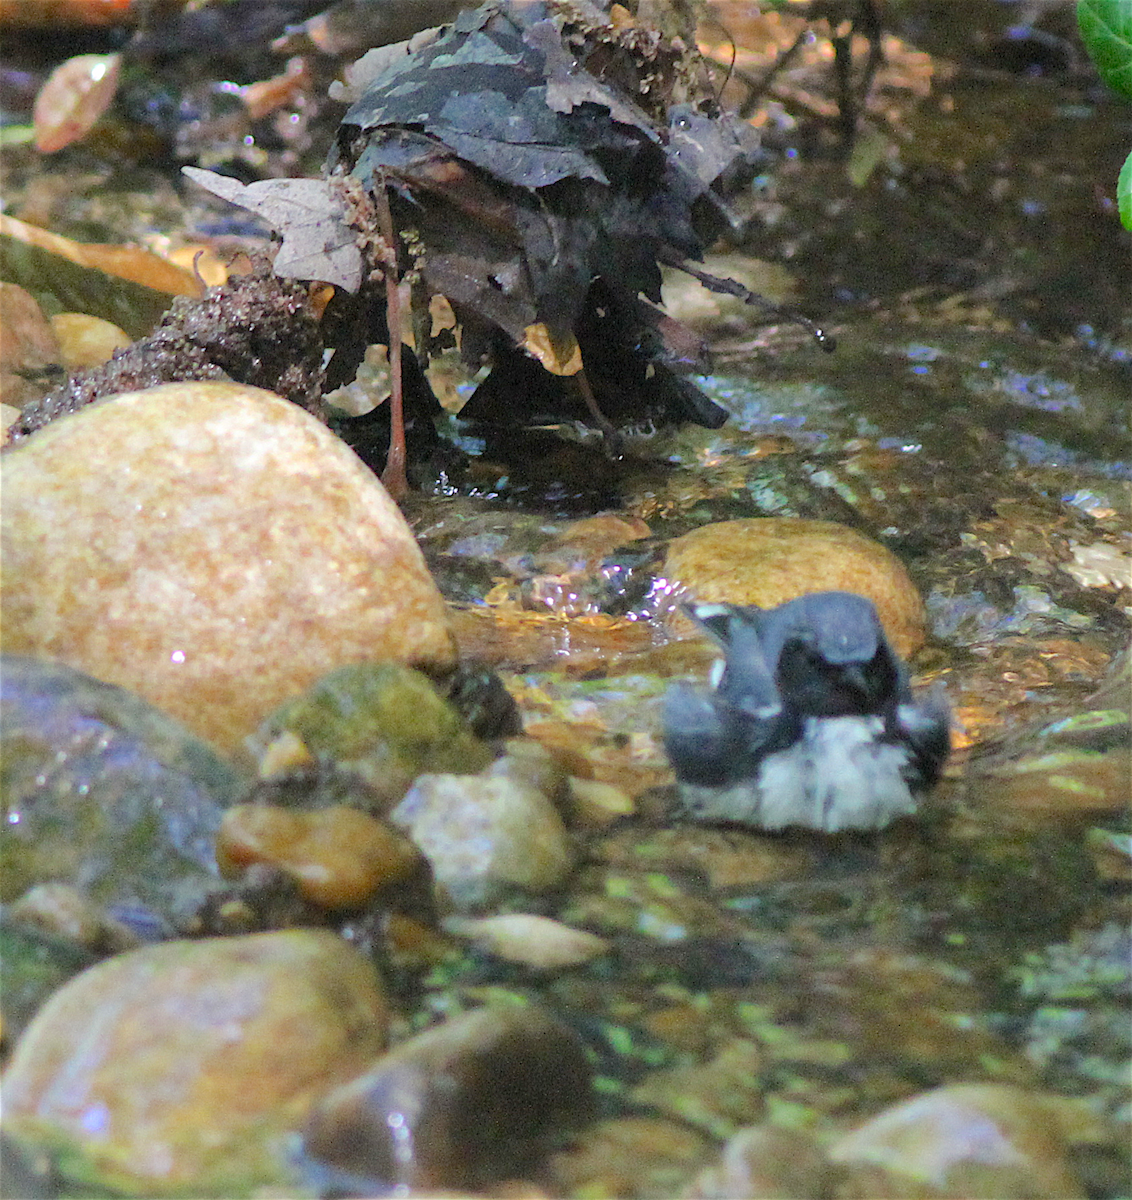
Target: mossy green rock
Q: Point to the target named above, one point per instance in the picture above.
(105, 792)
(381, 721)
(34, 966)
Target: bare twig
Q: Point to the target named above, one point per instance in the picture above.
(394, 477)
(730, 287)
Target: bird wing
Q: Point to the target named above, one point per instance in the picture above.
(747, 682)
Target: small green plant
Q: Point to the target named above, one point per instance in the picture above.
(1106, 30)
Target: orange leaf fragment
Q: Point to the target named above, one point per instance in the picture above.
(64, 14)
(127, 262)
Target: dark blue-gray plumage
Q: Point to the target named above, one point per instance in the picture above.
(811, 720)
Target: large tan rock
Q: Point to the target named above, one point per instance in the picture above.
(181, 1066)
(768, 560)
(211, 547)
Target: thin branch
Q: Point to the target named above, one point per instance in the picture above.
(394, 477)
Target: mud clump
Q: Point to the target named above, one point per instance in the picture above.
(255, 329)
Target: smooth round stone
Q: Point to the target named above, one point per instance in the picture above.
(975, 1139)
(485, 835)
(465, 1104)
(86, 341)
(339, 857)
(212, 547)
(182, 1065)
(769, 560)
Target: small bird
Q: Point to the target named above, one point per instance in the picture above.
(811, 722)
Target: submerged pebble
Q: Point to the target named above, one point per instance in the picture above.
(213, 548)
(465, 1104)
(767, 1161)
(528, 939)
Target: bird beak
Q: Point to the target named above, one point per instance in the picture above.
(854, 678)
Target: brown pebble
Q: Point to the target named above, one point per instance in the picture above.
(338, 856)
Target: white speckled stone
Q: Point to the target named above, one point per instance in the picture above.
(212, 547)
(484, 835)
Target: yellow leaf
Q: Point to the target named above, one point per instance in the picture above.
(560, 356)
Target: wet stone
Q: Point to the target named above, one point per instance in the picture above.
(212, 547)
(485, 835)
(180, 1066)
(338, 857)
(769, 1162)
(382, 722)
(769, 560)
(967, 1140)
(630, 1157)
(29, 350)
(104, 792)
(463, 1105)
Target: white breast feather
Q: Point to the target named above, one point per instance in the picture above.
(837, 776)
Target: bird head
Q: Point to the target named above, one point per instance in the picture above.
(831, 656)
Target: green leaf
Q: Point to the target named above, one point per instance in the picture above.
(1106, 30)
(1124, 193)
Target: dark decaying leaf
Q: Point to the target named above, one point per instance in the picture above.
(537, 193)
(532, 165)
